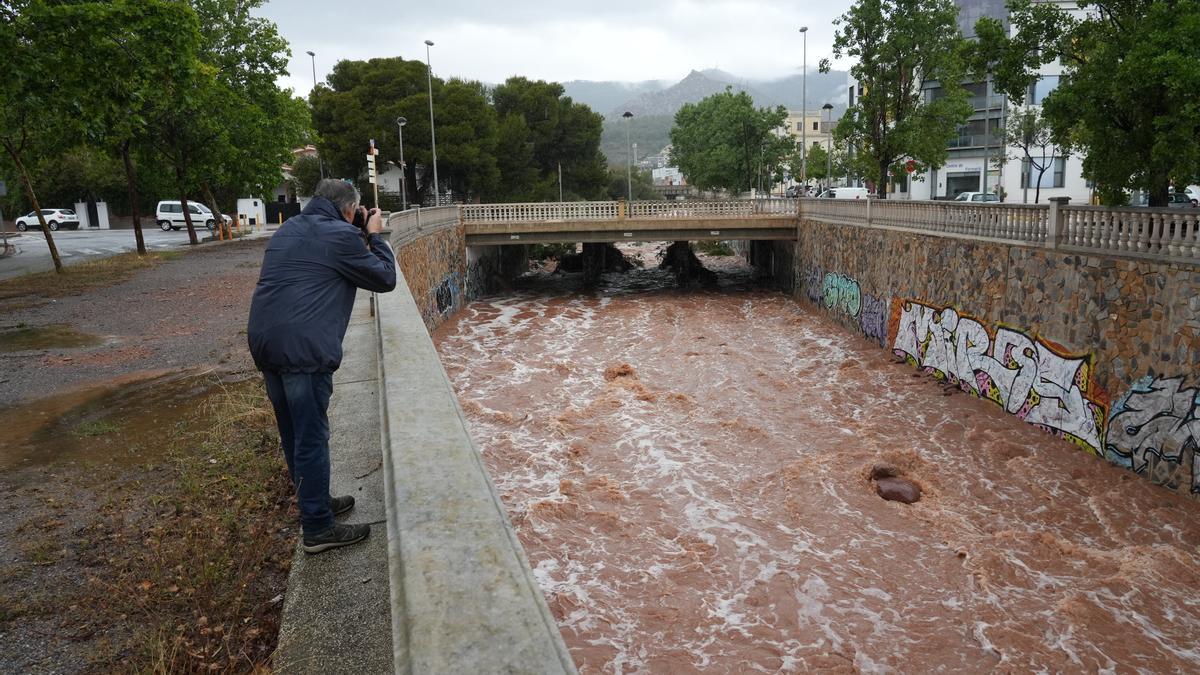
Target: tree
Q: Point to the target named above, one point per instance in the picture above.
(1126, 98)
(898, 46)
(557, 132)
(306, 172)
(1027, 132)
(363, 100)
(618, 184)
(29, 109)
(725, 143)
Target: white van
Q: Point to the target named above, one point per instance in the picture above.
(170, 216)
(846, 193)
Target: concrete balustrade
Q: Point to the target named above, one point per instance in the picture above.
(1162, 234)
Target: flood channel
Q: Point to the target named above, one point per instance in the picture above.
(689, 472)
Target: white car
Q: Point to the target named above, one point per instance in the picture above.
(169, 215)
(1193, 193)
(846, 193)
(55, 219)
(977, 197)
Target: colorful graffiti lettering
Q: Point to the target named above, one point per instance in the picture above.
(842, 293)
(814, 281)
(874, 318)
(1155, 431)
(1028, 377)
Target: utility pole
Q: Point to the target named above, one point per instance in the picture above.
(560, 197)
(400, 122)
(313, 56)
(628, 156)
(804, 114)
(437, 194)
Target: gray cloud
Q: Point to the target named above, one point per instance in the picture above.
(608, 40)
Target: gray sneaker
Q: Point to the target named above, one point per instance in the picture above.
(335, 537)
(340, 505)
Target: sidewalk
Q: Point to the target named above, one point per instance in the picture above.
(337, 611)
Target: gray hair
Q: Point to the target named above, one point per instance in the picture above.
(343, 195)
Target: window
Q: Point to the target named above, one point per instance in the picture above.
(194, 209)
(799, 126)
(1055, 176)
(1042, 88)
(816, 126)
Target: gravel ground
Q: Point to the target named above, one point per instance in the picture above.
(186, 313)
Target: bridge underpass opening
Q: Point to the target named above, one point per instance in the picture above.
(690, 475)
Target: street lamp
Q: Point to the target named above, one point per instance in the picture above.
(437, 195)
(400, 122)
(829, 145)
(628, 155)
(313, 56)
(804, 113)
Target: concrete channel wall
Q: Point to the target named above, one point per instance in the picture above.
(1100, 349)
(464, 599)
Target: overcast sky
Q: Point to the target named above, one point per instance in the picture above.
(490, 40)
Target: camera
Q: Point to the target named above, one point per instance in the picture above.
(360, 218)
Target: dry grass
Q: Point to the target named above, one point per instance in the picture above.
(78, 278)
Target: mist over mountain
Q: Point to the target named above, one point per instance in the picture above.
(656, 97)
(655, 102)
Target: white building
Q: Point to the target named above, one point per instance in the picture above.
(979, 140)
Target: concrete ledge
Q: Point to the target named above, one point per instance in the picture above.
(463, 597)
(337, 613)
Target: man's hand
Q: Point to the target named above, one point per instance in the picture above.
(374, 222)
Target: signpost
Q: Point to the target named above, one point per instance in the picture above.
(371, 170)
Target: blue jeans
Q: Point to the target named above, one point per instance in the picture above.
(301, 403)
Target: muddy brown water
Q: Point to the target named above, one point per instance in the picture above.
(25, 338)
(126, 420)
(690, 475)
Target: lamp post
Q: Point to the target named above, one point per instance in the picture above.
(313, 56)
(628, 155)
(400, 122)
(829, 145)
(804, 113)
(437, 194)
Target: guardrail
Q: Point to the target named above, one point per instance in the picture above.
(418, 222)
(548, 212)
(1170, 234)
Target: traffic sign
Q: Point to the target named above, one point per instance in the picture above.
(910, 166)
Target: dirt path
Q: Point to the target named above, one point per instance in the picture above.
(187, 312)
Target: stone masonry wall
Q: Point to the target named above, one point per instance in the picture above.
(1102, 351)
(435, 267)
(443, 274)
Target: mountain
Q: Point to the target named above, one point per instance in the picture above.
(655, 102)
(605, 96)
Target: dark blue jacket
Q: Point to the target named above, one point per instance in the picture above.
(310, 273)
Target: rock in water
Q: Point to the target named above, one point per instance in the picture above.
(896, 489)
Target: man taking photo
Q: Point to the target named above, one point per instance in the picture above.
(312, 269)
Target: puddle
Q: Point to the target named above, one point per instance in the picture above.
(44, 337)
(123, 422)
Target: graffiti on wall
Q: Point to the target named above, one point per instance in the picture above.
(1155, 431)
(1028, 377)
(843, 295)
(873, 319)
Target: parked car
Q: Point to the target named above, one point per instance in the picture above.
(1193, 193)
(169, 215)
(56, 219)
(845, 193)
(1175, 200)
(977, 197)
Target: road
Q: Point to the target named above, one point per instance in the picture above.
(75, 245)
